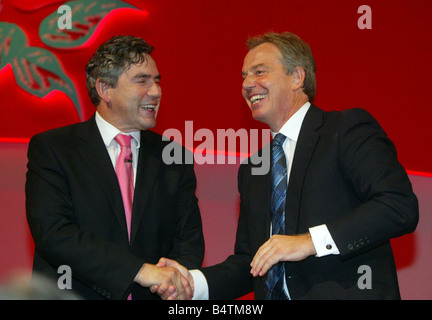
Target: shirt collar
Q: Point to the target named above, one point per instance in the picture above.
(291, 128)
(109, 132)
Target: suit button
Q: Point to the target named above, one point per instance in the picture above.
(350, 246)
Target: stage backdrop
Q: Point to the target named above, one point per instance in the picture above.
(370, 54)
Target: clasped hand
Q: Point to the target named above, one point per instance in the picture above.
(167, 291)
(166, 279)
(277, 249)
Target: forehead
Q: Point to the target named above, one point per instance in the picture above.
(264, 54)
(147, 67)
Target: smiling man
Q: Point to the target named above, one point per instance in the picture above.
(99, 197)
(334, 198)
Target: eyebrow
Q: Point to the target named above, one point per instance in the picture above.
(145, 76)
(244, 73)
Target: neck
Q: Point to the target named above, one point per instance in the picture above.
(291, 111)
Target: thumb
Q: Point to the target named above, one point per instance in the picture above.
(163, 262)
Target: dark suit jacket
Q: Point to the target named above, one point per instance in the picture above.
(345, 174)
(76, 216)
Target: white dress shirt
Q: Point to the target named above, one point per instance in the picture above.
(109, 132)
(291, 129)
(321, 237)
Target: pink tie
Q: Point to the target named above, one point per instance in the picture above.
(125, 175)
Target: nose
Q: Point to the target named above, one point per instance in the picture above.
(155, 90)
(248, 83)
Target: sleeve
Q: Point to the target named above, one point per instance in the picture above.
(323, 241)
(369, 165)
(200, 285)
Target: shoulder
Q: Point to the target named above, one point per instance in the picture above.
(357, 115)
(349, 115)
(348, 119)
(60, 135)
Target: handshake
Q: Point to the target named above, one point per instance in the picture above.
(169, 279)
(173, 281)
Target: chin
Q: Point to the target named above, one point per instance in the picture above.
(259, 116)
(148, 125)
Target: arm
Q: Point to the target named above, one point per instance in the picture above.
(369, 164)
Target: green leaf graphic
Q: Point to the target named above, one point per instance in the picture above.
(85, 16)
(36, 70)
(12, 40)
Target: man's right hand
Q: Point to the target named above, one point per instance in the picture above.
(168, 292)
(167, 279)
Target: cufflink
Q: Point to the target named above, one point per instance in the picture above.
(329, 246)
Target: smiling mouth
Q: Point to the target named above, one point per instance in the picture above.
(149, 107)
(257, 98)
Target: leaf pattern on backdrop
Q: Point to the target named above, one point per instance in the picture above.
(36, 70)
(86, 16)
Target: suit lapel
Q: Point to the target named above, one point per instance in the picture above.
(147, 171)
(306, 144)
(94, 154)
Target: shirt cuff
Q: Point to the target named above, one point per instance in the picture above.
(201, 291)
(323, 241)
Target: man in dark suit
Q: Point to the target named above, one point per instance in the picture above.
(344, 196)
(74, 202)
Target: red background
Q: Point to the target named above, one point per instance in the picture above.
(200, 47)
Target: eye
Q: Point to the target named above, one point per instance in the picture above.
(259, 72)
(141, 80)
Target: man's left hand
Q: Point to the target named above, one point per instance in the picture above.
(281, 248)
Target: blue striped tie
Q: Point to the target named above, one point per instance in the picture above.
(275, 276)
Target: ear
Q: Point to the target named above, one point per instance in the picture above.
(102, 89)
(299, 76)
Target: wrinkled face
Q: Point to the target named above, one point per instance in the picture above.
(134, 102)
(267, 88)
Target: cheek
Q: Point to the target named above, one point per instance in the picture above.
(245, 94)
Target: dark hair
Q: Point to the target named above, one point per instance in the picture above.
(111, 59)
(295, 53)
